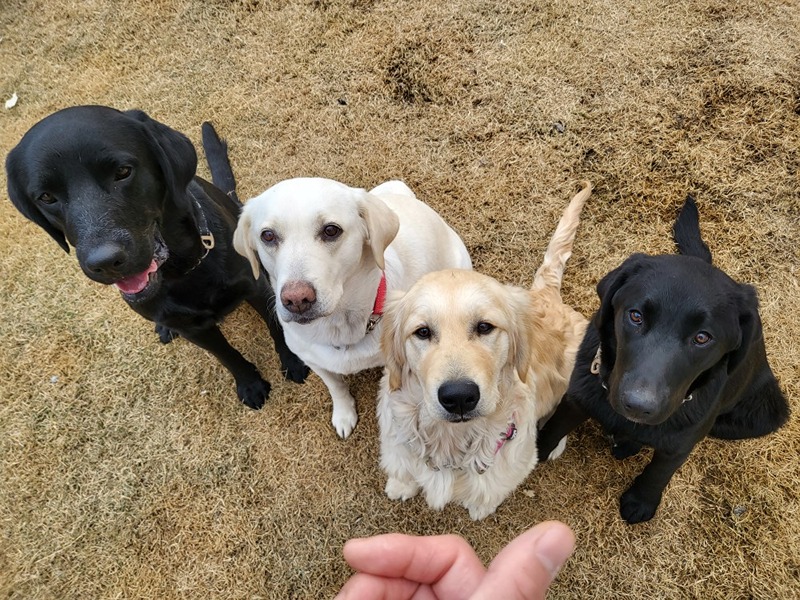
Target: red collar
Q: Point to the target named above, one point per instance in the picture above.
(377, 308)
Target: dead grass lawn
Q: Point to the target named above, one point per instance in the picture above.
(129, 470)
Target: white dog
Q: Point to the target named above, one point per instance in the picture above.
(471, 366)
(331, 252)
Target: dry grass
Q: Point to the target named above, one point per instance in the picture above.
(129, 470)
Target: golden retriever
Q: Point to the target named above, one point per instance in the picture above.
(472, 365)
(331, 251)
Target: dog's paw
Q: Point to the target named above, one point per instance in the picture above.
(165, 334)
(253, 393)
(624, 448)
(396, 489)
(558, 450)
(344, 421)
(478, 513)
(294, 369)
(438, 493)
(636, 508)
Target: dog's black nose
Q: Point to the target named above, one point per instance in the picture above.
(298, 296)
(106, 259)
(459, 396)
(639, 405)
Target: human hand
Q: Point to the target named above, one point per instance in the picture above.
(403, 567)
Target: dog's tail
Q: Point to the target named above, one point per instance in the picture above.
(560, 247)
(216, 150)
(686, 232)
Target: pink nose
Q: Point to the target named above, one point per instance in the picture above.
(298, 296)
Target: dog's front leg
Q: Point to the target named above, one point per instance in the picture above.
(397, 458)
(293, 368)
(344, 416)
(483, 503)
(165, 334)
(252, 389)
(640, 501)
(567, 417)
(400, 482)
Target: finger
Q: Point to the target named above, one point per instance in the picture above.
(364, 585)
(525, 568)
(445, 561)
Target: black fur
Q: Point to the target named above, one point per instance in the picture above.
(216, 150)
(121, 188)
(661, 383)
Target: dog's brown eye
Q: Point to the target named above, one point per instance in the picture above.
(331, 232)
(636, 317)
(483, 328)
(423, 333)
(46, 198)
(268, 236)
(122, 173)
(702, 338)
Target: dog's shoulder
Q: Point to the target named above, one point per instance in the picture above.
(222, 277)
(212, 198)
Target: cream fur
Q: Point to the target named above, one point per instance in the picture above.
(387, 228)
(521, 366)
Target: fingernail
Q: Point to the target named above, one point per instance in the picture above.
(553, 548)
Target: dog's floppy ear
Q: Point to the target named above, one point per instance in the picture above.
(15, 175)
(749, 325)
(521, 334)
(607, 287)
(382, 225)
(392, 339)
(175, 155)
(243, 245)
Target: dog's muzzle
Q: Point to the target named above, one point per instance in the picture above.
(134, 287)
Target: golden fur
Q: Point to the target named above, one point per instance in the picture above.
(518, 346)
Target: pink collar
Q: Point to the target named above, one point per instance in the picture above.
(508, 435)
(377, 308)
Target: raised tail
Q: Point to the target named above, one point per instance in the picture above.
(216, 150)
(686, 232)
(560, 247)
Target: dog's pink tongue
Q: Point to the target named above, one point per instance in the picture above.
(136, 283)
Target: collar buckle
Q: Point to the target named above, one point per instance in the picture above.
(595, 368)
(207, 239)
(373, 321)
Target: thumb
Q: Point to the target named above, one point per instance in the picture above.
(524, 569)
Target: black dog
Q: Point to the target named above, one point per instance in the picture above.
(121, 188)
(675, 353)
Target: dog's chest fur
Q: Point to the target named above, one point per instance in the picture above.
(340, 344)
(466, 454)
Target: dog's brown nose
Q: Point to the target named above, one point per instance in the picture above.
(298, 296)
(459, 396)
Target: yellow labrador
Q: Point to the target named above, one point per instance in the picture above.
(331, 251)
(471, 366)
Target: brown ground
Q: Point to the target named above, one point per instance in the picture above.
(128, 469)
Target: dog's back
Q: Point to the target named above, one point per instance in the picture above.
(422, 233)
